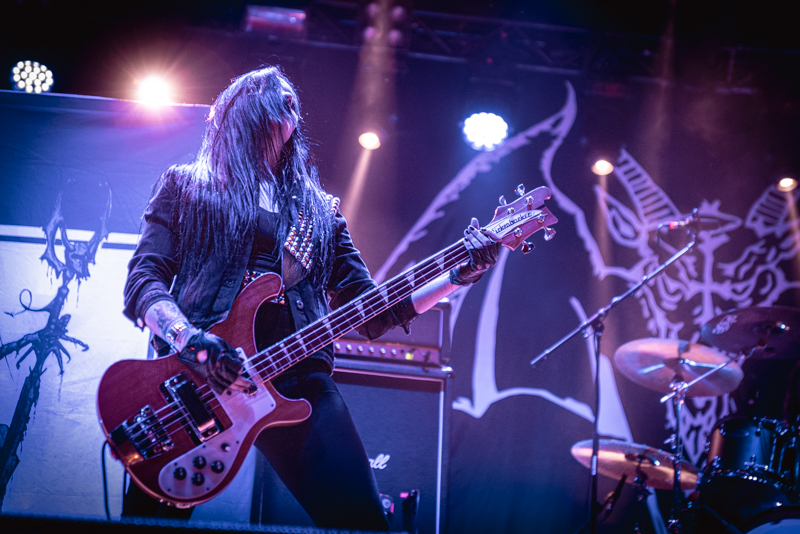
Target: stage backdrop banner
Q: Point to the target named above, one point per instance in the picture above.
(76, 177)
(77, 172)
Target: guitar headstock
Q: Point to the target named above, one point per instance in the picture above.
(513, 223)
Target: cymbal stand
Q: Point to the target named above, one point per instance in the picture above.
(678, 394)
(686, 386)
(642, 493)
(595, 322)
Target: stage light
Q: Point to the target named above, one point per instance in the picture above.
(602, 167)
(369, 140)
(31, 77)
(485, 131)
(275, 20)
(787, 184)
(154, 91)
(386, 22)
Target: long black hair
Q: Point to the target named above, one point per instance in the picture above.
(218, 193)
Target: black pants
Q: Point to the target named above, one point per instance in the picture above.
(322, 461)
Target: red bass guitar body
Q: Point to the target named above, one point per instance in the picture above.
(179, 441)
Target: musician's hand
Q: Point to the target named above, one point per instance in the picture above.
(217, 361)
(483, 252)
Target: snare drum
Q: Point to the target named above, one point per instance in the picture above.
(752, 467)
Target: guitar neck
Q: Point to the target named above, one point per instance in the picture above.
(275, 359)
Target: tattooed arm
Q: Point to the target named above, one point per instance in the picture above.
(166, 320)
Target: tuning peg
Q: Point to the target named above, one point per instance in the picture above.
(527, 246)
(549, 233)
(520, 190)
(502, 200)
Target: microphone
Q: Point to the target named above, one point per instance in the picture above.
(692, 222)
(613, 497)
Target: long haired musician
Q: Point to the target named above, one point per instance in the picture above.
(251, 203)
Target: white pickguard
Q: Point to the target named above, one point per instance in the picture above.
(244, 412)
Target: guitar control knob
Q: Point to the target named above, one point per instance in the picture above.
(179, 473)
(217, 466)
(199, 462)
(198, 479)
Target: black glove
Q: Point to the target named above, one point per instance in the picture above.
(212, 357)
(483, 252)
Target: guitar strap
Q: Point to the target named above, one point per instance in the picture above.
(292, 271)
(297, 264)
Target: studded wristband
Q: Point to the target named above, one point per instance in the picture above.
(174, 332)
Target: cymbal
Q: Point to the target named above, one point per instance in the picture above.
(776, 329)
(653, 363)
(616, 458)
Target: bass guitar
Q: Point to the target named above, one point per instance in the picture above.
(183, 444)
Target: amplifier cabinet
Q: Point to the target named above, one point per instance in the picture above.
(401, 414)
(426, 344)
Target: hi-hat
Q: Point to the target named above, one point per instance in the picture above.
(657, 363)
(616, 458)
(774, 332)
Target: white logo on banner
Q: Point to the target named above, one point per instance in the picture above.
(755, 278)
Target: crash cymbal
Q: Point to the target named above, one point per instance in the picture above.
(616, 458)
(776, 330)
(653, 363)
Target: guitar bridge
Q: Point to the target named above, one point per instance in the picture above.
(203, 425)
(140, 437)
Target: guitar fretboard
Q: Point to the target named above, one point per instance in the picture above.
(277, 358)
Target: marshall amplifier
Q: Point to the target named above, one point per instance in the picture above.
(427, 343)
(400, 411)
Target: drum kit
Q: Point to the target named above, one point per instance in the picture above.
(751, 478)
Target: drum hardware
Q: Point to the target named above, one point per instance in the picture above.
(667, 364)
(656, 363)
(751, 469)
(617, 458)
(608, 504)
(759, 332)
(593, 325)
(643, 466)
(752, 464)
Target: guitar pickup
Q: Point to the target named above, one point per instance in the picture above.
(202, 423)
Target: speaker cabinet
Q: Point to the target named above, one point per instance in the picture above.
(401, 414)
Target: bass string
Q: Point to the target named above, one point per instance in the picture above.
(373, 303)
(315, 336)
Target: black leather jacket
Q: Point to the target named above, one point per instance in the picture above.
(206, 299)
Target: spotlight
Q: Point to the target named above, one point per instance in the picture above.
(386, 22)
(786, 184)
(31, 77)
(369, 140)
(602, 167)
(485, 131)
(154, 91)
(275, 20)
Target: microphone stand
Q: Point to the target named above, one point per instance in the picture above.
(595, 322)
